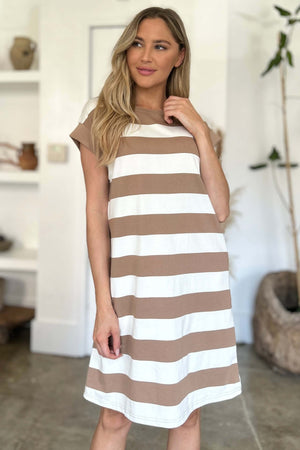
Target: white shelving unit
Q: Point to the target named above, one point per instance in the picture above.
(19, 259)
(19, 176)
(19, 76)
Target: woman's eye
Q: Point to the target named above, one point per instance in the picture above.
(136, 43)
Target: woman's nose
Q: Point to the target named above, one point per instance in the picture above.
(146, 54)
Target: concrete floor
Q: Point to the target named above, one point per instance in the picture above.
(41, 406)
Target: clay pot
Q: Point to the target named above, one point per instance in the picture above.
(276, 324)
(27, 157)
(22, 52)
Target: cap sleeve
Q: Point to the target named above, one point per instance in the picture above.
(82, 132)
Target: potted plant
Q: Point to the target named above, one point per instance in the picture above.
(276, 321)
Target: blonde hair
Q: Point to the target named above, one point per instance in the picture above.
(115, 105)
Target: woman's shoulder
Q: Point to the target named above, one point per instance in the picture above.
(82, 131)
(88, 109)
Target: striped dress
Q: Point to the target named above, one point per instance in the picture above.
(169, 279)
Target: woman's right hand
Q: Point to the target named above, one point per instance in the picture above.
(107, 328)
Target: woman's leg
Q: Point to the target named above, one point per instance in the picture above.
(187, 435)
(111, 431)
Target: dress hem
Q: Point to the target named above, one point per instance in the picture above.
(149, 421)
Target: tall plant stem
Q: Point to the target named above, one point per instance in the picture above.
(289, 180)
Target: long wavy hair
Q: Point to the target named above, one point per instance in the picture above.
(116, 102)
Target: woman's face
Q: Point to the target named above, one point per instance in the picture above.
(153, 54)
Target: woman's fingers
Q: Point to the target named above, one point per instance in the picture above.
(116, 342)
(105, 349)
(107, 335)
(108, 346)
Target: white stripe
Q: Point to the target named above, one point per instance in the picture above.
(171, 329)
(159, 204)
(167, 244)
(156, 164)
(162, 416)
(155, 130)
(170, 285)
(164, 372)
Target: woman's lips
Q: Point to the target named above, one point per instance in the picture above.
(145, 71)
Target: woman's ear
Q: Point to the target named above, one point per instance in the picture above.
(180, 58)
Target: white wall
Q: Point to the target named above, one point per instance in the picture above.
(258, 241)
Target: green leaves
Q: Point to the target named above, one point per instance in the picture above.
(285, 12)
(282, 40)
(274, 62)
(289, 58)
(292, 21)
(282, 12)
(273, 156)
(286, 165)
(283, 53)
(258, 166)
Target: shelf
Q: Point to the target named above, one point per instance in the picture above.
(19, 76)
(19, 259)
(20, 176)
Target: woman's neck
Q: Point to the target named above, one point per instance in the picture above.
(154, 101)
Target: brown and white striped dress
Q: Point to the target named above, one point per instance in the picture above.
(169, 280)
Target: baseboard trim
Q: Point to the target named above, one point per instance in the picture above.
(57, 338)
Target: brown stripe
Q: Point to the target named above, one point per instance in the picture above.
(165, 265)
(171, 307)
(148, 117)
(82, 133)
(153, 145)
(145, 224)
(169, 351)
(169, 183)
(161, 394)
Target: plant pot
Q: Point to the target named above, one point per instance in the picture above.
(22, 52)
(276, 327)
(27, 156)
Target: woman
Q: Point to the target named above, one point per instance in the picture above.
(164, 338)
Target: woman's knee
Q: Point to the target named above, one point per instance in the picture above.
(113, 420)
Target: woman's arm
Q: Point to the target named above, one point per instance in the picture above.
(211, 170)
(213, 176)
(97, 231)
(98, 243)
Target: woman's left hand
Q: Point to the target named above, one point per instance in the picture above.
(183, 110)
